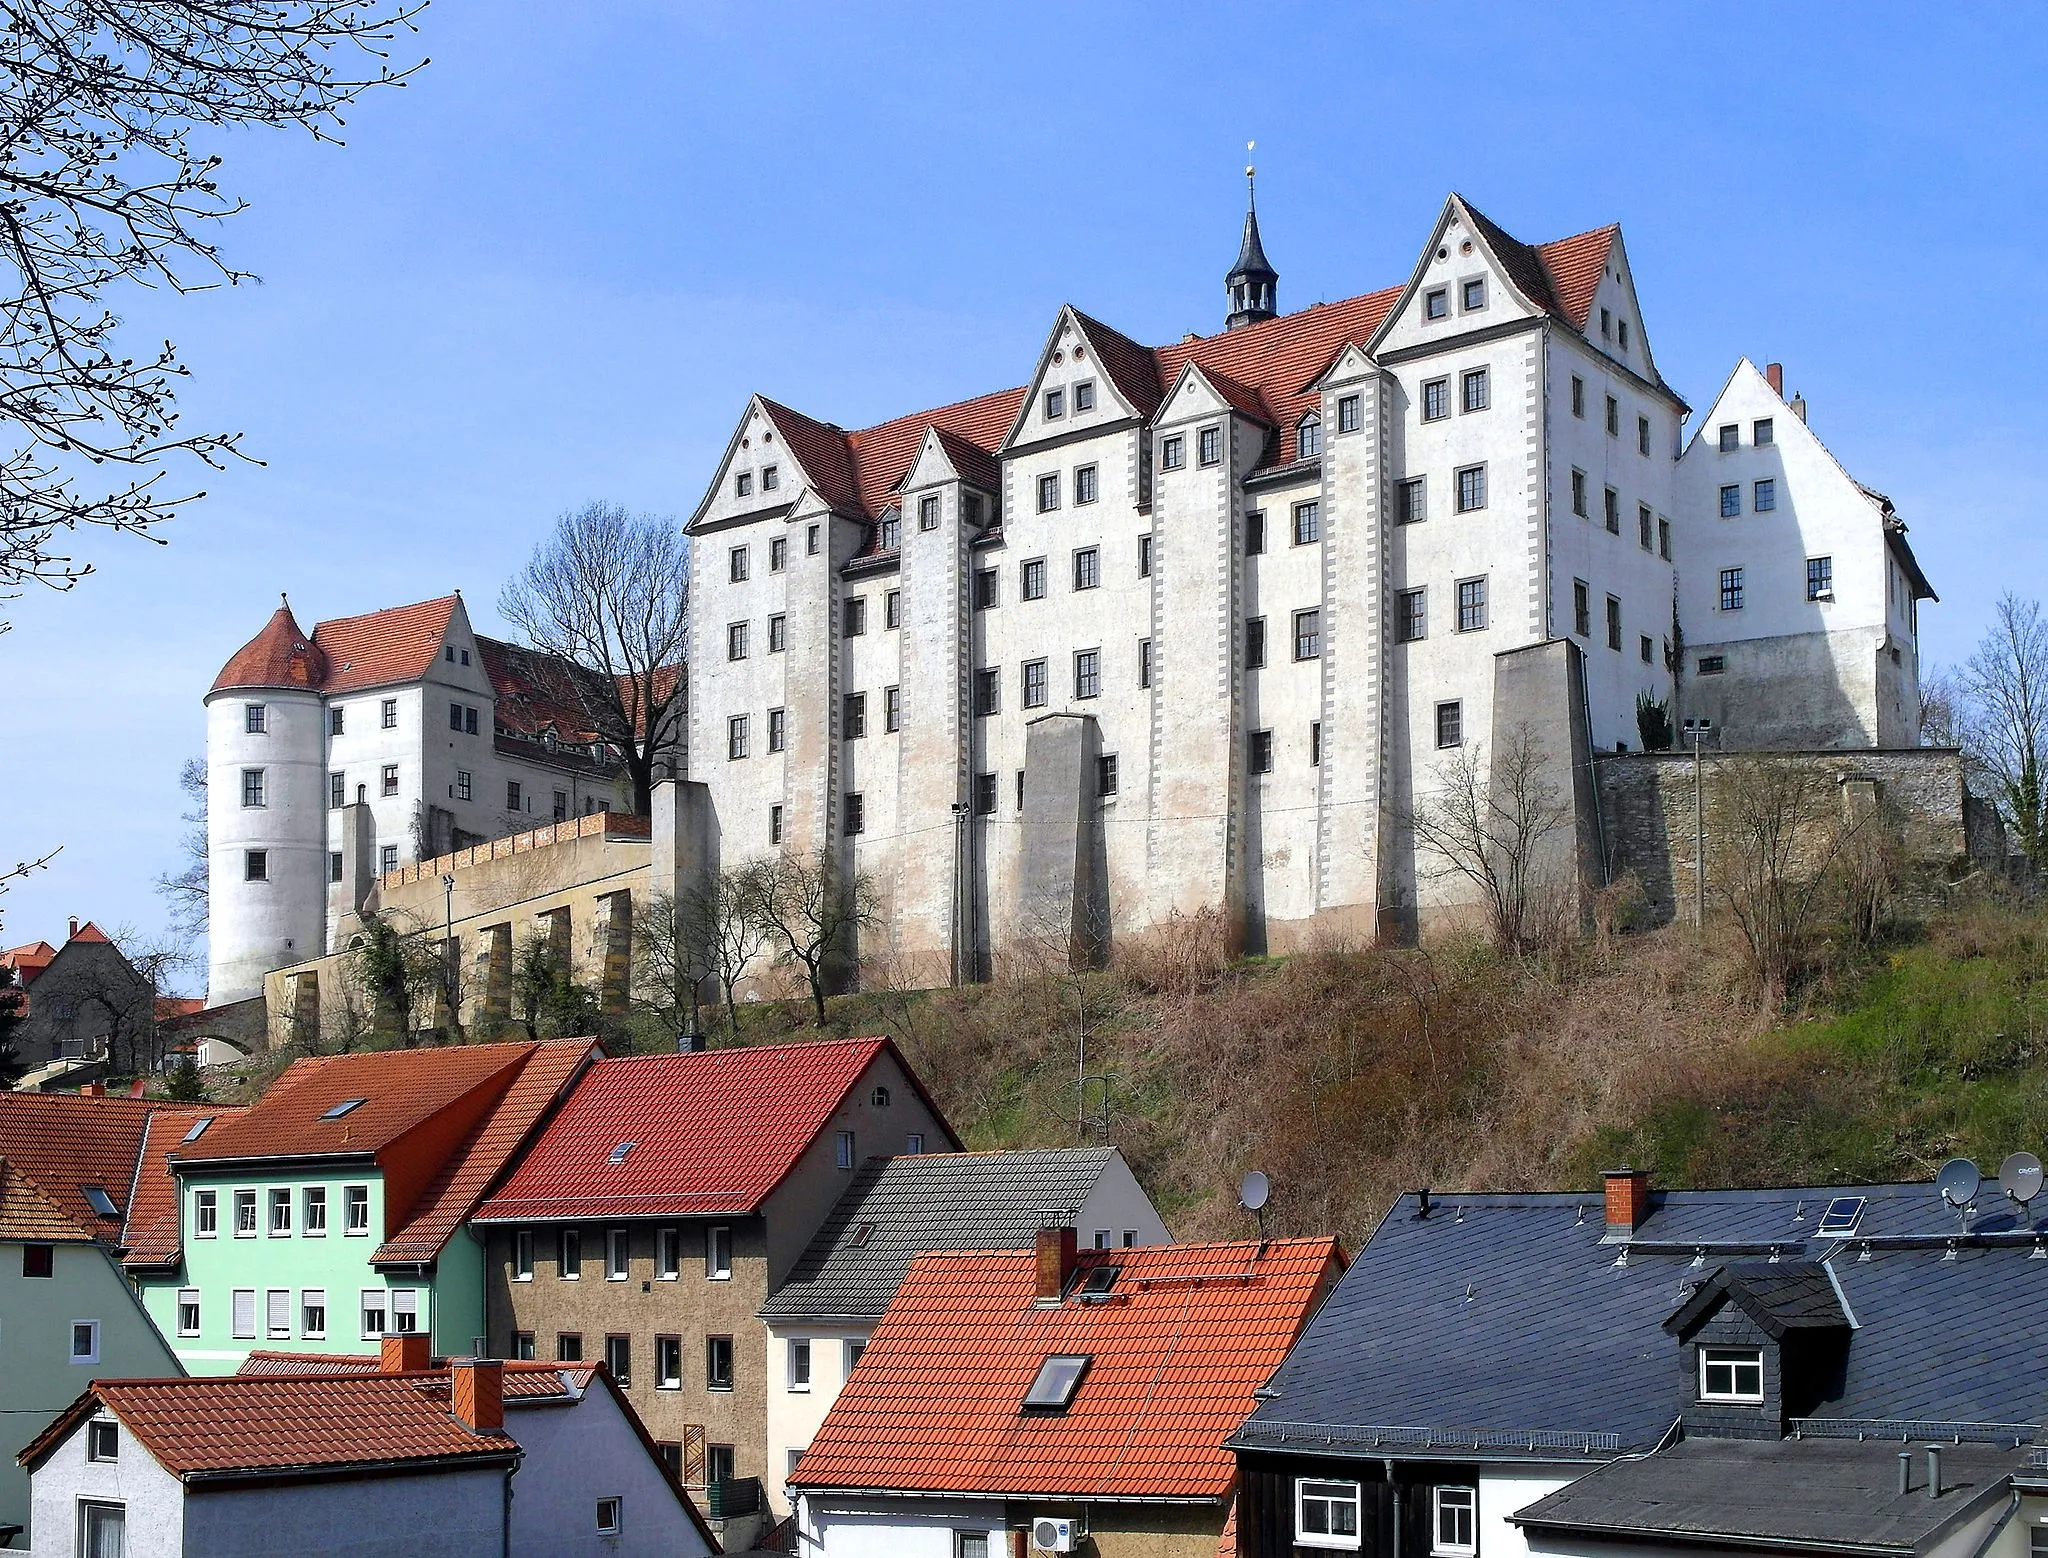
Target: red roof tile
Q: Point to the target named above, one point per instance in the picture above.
(150, 1231)
(281, 656)
(1187, 1333)
(713, 1132)
(882, 454)
(820, 449)
(1134, 369)
(28, 961)
(90, 932)
(525, 1379)
(233, 1423)
(54, 1144)
(379, 647)
(1576, 265)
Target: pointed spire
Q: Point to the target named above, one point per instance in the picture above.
(1253, 284)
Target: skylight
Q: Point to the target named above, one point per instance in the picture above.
(198, 1128)
(1841, 1216)
(1099, 1281)
(1058, 1378)
(619, 1152)
(343, 1108)
(98, 1199)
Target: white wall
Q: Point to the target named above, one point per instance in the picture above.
(1117, 1205)
(794, 1416)
(576, 1455)
(257, 926)
(152, 1497)
(905, 1528)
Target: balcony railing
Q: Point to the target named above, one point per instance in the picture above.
(738, 1496)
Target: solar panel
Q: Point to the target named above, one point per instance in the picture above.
(1841, 1216)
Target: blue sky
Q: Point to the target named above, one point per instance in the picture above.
(553, 268)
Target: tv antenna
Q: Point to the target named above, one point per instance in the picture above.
(1958, 1183)
(1253, 1192)
(2019, 1176)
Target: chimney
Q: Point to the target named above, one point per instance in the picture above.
(1799, 407)
(1775, 373)
(1934, 1471)
(476, 1394)
(93, 1090)
(74, 925)
(1905, 1472)
(1628, 1200)
(1055, 1264)
(135, 1087)
(406, 1352)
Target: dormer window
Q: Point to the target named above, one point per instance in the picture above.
(1058, 1378)
(1436, 303)
(1055, 404)
(892, 530)
(1309, 436)
(1732, 1374)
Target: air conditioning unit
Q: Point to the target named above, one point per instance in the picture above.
(1052, 1536)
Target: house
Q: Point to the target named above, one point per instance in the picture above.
(897, 1208)
(84, 1001)
(1639, 1372)
(661, 1206)
(589, 1476)
(331, 1210)
(1077, 1399)
(72, 1201)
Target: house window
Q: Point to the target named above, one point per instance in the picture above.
(387, 714)
(618, 1358)
(1032, 579)
(892, 708)
(987, 692)
(1308, 634)
(387, 859)
(1411, 615)
(1763, 432)
(245, 1214)
(771, 478)
(522, 1255)
(1308, 436)
(355, 1201)
(255, 719)
(1259, 752)
(1326, 1514)
(608, 1513)
(1084, 395)
(1452, 1531)
(966, 1544)
(1820, 578)
(205, 1212)
(986, 589)
(1088, 673)
(1664, 539)
(388, 779)
(1410, 502)
(778, 553)
(736, 564)
(1734, 1374)
(799, 1363)
(1308, 523)
(188, 1311)
(984, 795)
(617, 1252)
(1471, 605)
(1254, 642)
(1766, 497)
(280, 1213)
(1145, 557)
(336, 720)
(1642, 435)
(1034, 684)
(242, 1315)
(1436, 400)
(1473, 394)
(1472, 295)
(736, 737)
(277, 1314)
(1084, 484)
(102, 1528)
(775, 823)
(1450, 724)
(569, 1347)
(853, 715)
(1643, 525)
(1436, 303)
(102, 1443)
(1048, 493)
(743, 484)
(373, 1312)
(1059, 1376)
(1613, 417)
(522, 1345)
(85, 1341)
(1254, 532)
(1613, 623)
(842, 1150)
(1731, 437)
(854, 814)
(891, 537)
(569, 1258)
(855, 614)
(1471, 488)
(718, 1253)
(1611, 509)
(718, 1363)
(1209, 445)
(405, 1310)
(1144, 662)
(778, 633)
(1087, 568)
(1172, 453)
(1105, 775)
(1578, 396)
(736, 641)
(668, 1363)
(1579, 495)
(1731, 589)
(1055, 404)
(252, 787)
(256, 865)
(1350, 415)
(928, 512)
(719, 1460)
(668, 1254)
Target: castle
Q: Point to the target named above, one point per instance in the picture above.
(1162, 630)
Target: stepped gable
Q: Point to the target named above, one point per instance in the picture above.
(282, 656)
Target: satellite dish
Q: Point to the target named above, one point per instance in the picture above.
(1958, 1181)
(1254, 1190)
(2019, 1176)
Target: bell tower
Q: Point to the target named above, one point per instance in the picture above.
(1253, 284)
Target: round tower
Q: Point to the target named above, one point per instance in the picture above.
(266, 810)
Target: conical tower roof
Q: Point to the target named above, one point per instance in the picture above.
(282, 656)
(1251, 254)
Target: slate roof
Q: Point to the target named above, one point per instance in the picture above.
(1184, 1337)
(1830, 1493)
(713, 1132)
(899, 1208)
(1506, 1316)
(1793, 1295)
(52, 1145)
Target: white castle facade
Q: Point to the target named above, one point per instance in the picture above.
(1190, 628)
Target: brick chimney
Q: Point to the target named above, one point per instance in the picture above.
(1628, 1200)
(93, 1090)
(74, 925)
(476, 1394)
(406, 1352)
(1055, 1264)
(1775, 373)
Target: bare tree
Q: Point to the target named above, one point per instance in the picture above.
(9, 875)
(1941, 702)
(2004, 724)
(186, 889)
(101, 187)
(708, 934)
(1490, 824)
(607, 594)
(551, 1004)
(400, 972)
(669, 966)
(811, 913)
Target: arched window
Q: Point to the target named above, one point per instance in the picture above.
(1309, 436)
(879, 1098)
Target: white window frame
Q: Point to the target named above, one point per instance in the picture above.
(309, 1300)
(277, 1222)
(238, 1329)
(277, 1314)
(188, 1298)
(310, 1198)
(1732, 1358)
(522, 1255)
(718, 1253)
(245, 1198)
(1465, 1499)
(618, 1254)
(205, 1214)
(405, 1302)
(1335, 1540)
(668, 1254)
(373, 1301)
(800, 1364)
(92, 1356)
(609, 1520)
(350, 1200)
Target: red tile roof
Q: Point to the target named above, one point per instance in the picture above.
(281, 1423)
(1134, 369)
(394, 645)
(474, 1166)
(883, 454)
(150, 1230)
(54, 1144)
(28, 961)
(1187, 1333)
(713, 1132)
(1576, 265)
(525, 1379)
(281, 656)
(90, 932)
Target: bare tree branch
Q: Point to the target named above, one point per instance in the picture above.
(2003, 723)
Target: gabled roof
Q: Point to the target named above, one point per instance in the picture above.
(150, 1231)
(28, 961)
(1185, 1335)
(882, 454)
(1561, 277)
(711, 1132)
(819, 448)
(398, 644)
(899, 1208)
(91, 933)
(207, 1427)
(1793, 1295)
(55, 1144)
(1131, 367)
(282, 655)
(526, 1381)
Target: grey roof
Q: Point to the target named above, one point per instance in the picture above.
(1512, 1319)
(899, 1208)
(1251, 254)
(1831, 1493)
(1780, 1296)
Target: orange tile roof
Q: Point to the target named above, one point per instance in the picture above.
(397, 644)
(281, 1423)
(1575, 265)
(474, 1166)
(281, 655)
(882, 454)
(89, 932)
(713, 1132)
(28, 961)
(150, 1232)
(56, 1143)
(1187, 1333)
(525, 1379)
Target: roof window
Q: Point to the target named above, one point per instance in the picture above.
(1096, 1284)
(619, 1152)
(343, 1108)
(1058, 1378)
(861, 1235)
(97, 1198)
(1841, 1217)
(198, 1129)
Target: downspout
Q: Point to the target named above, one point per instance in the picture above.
(1394, 1488)
(505, 1524)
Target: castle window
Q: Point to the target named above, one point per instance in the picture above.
(1259, 751)
(1087, 568)
(1034, 684)
(778, 627)
(1032, 579)
(1105, 774)
(1308, 634)
(736, 641)
(970, 510)
(334, 720)
(1606, 324)
(387, 859)
(1055, 404)
(1732, 1374)
(1254, 532)
(855, 616)
(1713, 665)
(455, 717)
(987, 591)
(1613, 417)
(770, 478)
(775, 823)
(337, 790)
(1664, 539)
(1254, 643)
(1172, 453)
(515, 796)
(1582, 609)
(387, 779)
(1209, 445)
(1308, 523)
(1472, 295)
(1145, 556)
(1084, 395)
(928, 511)
(1436, 400)
(1762, 432)
(1643, 525)
(1084, 484)
(1350, 416)
(1731, 437)
(1436, 303)
(810, 541)
(1820, 578)
(1766, 498)
(735, 741)
(892, 609)
(1450, 724)
(469, 714)
(252, 787)
(1411, 615)
(388, 714)
(1578, 396)
(984, 795)
(255, 718)
(1642, 435)
(1613, 623)
(891, 538)
(1474, 392)
(778, 553)
(778, 730)
(1410, 502)
(1471, 488)
(1731, 589)
(1144, 662)
(1088, 673)
(987, 692)
(1649, 649)
(1611, 508)
(743, 484)
(1621, 330)
(1579, 494)
(855, 812)
(1471, 605)
(892, 708)
(1308, 436)
(561, 805)
(853, 713)
(737, 564)
(334, 866)
(465, 785)
(256, 865)
(1048, 493)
